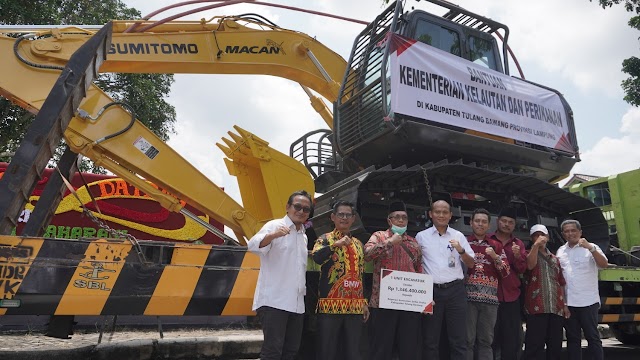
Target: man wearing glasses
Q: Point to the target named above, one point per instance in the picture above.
(580, 261)
(393, 249)
(444, 251)
(279, 296)
(341, 304)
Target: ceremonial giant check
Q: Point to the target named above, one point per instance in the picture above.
(401, 290)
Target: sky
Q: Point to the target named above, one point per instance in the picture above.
(573, 46)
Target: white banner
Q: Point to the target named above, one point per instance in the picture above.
(402, 290)
(431, 84)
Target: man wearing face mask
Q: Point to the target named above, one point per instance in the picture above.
(393, 249)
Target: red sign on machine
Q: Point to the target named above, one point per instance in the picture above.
(123, 207)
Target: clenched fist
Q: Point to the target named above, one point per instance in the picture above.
(490, 252)
(585, 244)
(516, 250)
(281, 231)
(345, 241)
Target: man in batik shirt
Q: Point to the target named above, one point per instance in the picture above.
(491, 265)
(393, 249)
(544, 301)
(341, 304)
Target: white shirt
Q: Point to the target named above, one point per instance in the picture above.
(581, 273)
(283, 267)
(436, 251)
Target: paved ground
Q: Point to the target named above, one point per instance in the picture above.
(125, 344)
(184, 344)
(613, 349)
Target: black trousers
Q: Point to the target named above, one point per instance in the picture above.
(543, 329)
(338, 332)
(282, 332)
(585, 318)
(387, 327)
(506, 336)
(450, 308)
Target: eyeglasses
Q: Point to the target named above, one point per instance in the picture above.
(399, 217)
(298, 207)
(345, 215)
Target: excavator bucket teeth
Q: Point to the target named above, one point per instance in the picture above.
(266, 177)
(238, 139)
(225, 149)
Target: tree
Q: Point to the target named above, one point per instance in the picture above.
(146, 93)
(631, 66)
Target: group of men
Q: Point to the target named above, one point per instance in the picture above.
(476, 287)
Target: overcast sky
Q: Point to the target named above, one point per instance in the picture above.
(573, 46)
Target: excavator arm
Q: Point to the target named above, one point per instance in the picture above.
(109, 135)
(222, 45)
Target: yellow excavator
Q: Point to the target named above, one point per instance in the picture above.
(451, 139)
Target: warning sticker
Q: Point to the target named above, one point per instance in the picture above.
(143, 145)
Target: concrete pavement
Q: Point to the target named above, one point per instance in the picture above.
(143, 345)
(183, 344)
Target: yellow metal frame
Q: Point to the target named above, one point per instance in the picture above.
(223, 45)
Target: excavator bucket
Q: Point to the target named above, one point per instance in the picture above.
(266, 177)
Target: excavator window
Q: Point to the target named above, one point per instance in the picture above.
(481, 52)
(438, 36)
(454, 38)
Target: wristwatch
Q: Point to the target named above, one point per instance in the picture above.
(462, 252)
(593, 248)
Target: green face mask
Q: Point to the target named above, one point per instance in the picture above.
(398, 230)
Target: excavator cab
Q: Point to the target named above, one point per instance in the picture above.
(365, 126)
(378, 154)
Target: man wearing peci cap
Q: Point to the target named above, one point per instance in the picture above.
(508, 328)
(393, 249)
(544, 299)
(444, 251)
(580, 261)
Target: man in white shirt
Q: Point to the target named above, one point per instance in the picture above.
(580, 261)
(444, 250)
(281, 287)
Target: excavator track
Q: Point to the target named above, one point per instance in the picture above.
(467, 186)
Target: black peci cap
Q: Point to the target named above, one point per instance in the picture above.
(397, 205)
(508, 211)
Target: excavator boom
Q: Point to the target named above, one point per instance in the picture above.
(224, 45)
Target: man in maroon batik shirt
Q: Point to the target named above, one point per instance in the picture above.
(509, 321)
(490, 267)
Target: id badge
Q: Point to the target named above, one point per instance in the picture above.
(452, 261)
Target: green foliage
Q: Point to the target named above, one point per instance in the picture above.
(631, 66)
(631, 86)
(629, 5)
(146, 93)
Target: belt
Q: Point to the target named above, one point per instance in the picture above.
(448, 284)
